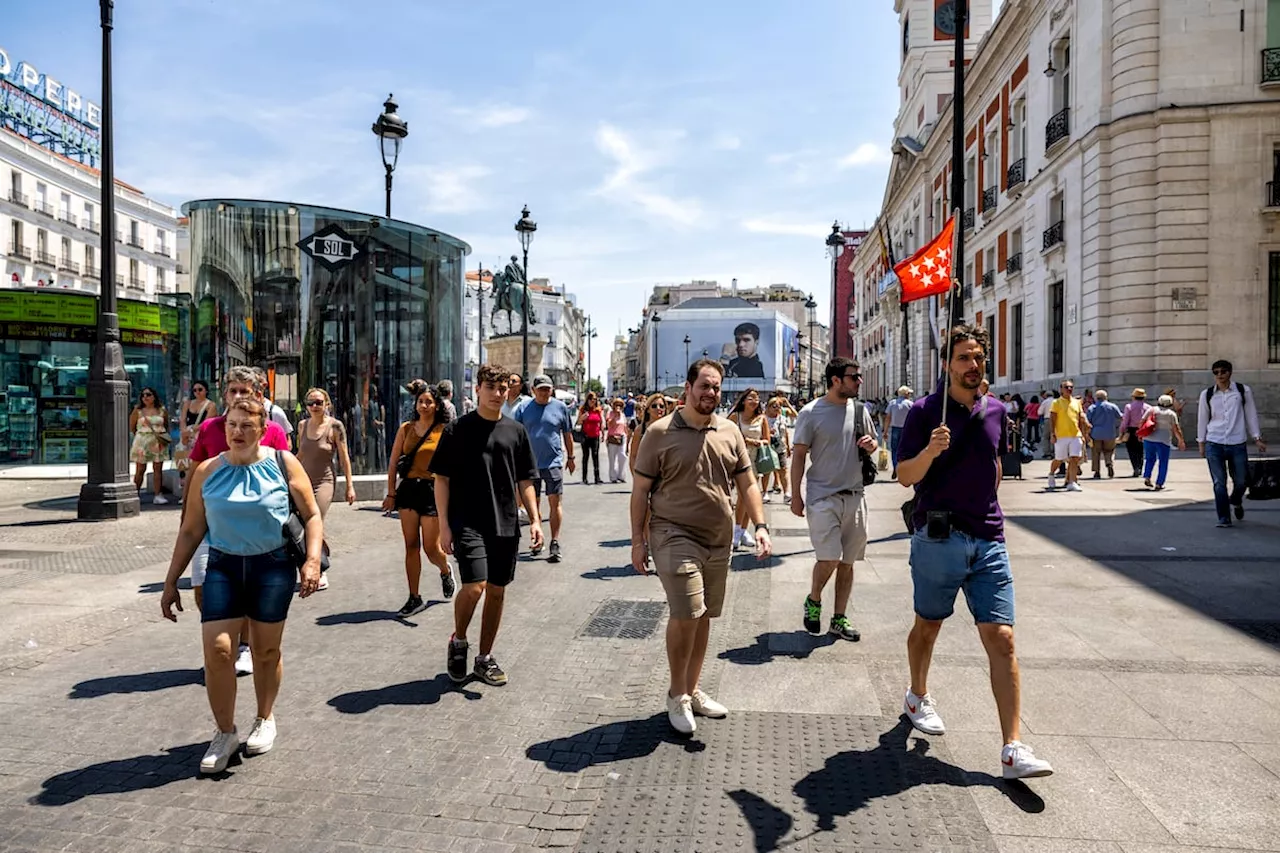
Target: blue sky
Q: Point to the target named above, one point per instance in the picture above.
(655, 142)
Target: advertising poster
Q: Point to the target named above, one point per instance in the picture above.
(751, 348)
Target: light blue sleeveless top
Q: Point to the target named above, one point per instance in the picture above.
(245, 506)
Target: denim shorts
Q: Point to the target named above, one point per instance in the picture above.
(260, 586)
(942, 567)
(549, 481)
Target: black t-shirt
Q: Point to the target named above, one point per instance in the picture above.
(484, 461)
(745, 367)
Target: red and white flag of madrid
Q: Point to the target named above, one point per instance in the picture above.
(928, 271)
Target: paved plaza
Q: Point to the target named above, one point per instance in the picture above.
(1149, 642)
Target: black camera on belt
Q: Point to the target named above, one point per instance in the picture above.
(937, 524)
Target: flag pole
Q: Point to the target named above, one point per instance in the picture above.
(956, 293)
(956, 244)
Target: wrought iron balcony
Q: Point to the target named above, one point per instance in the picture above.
(1017, 173)
(17, 250)
(45, 259)
(43, 207)
(989, 278)
(68, 265)
(68, 217)
(1273, 194)
(119, 281)
(93, 272)
(136, 283)
(91, 226)
(1271, 65)
(18, 198)
(163, 251)
(1052, 235)
(1013, 263)
(990, 198)
(1057, 129)
(967, 219)
(135, 241)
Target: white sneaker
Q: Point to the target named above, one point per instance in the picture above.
(1053, 482)
(244, 661)
(221, 748)
(680, 714)
(262, 737)
(1019, 762)
(920, 711)
(524, 516)
(1074, 487)
(786, 499)
(768, 499)
(704, 706)
(159, 499)
(748, 541)
(324, 582)
(737, 536)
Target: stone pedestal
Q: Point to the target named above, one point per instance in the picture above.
(505, 350)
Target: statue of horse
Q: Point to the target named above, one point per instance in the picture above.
(508, 295)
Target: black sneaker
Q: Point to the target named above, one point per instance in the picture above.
(489, 672)
(535, 550)
(554, 555)
(447, 586)
(457, 660)
(812, 616)
(412, 606)
(1239, 510)
(841, 628)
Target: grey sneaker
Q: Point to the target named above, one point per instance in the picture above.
(488, 671)
(554, 555)
(457, 660)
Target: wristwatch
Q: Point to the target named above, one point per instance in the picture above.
(763, 527)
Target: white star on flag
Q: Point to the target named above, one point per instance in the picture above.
(915, 269)
(929, 262)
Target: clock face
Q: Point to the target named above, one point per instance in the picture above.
(944, 18)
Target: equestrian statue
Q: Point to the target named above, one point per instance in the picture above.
(509, 295)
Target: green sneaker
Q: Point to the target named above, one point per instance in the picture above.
(841, 628)
(812, 616)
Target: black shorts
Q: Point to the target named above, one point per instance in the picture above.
(417, 495)
(485, 558)
(550, 480)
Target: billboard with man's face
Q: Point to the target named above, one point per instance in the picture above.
(753, 350)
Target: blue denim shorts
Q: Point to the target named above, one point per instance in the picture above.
(260, 586)
(942, 567)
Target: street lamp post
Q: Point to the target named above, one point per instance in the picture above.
(107, 492)
(686, 351)
(799, 371)
(391, 131)
(811, 307)
(835, 248)
(591, 333)
(525, 228)
(480, 313)
(656, 319)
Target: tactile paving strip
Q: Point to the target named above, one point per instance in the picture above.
(625, 620)
(763, 781)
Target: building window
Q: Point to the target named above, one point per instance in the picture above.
(995, 348)
(135, 279)
(15, 238)
(66, 250)
(1273, 309)
(1017, 343)
(1057, 327)
(89, 257)
(160, 280)
(88, 215)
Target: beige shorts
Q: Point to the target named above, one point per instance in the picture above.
(838, 528)
(693, 575)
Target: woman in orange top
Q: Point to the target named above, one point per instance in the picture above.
(415, 495)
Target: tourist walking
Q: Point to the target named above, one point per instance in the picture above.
(1157, 446)
(1134, 414)
(750, 419)
(550, 429)
(780, 441)
(951, 455)
(896, 414)
(1104, 429)
(483, 466)
(322, 442)
(239, 502)
(681, 515)
(1227, 419)
(654, 409)
(149, 423)
(1067, 431)
(591, 423)
(195, 411)
(832, 432)
(274, 412)
(445, 390)
(1032, 413)
(516, 395)
(411, 491)
(615, 429)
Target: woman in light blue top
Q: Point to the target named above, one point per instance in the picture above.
(239, 501)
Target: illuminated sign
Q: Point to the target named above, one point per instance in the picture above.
(45, 111)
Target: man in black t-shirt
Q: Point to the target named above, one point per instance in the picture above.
(483, 466)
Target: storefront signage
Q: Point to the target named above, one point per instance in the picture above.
(70, 317)
(331, 247)
(45, 111)
(48, 308)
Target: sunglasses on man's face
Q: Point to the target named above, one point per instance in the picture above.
(1068, 387)
(854, 377)
(1221, 372)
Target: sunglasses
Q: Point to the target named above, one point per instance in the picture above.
(1221, 372)
(147, 394)
(312, 404)
(856, 377)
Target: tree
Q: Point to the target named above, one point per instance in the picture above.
(596, 385)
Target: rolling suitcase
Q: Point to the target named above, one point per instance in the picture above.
(1011, 460)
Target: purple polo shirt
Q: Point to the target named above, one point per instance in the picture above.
(963, 479)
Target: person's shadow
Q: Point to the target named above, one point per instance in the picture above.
(424, 692)
(777, 644)
(143, 682)
(124, 776)
(612, 742)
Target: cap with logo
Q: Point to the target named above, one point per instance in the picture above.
(543, 381)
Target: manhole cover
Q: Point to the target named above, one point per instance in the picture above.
(625, 620)
(1267, 632)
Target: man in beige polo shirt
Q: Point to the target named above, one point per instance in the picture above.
(687, 464)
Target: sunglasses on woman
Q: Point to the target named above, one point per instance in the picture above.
(312, 404)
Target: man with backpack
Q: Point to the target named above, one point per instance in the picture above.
(1228, 418)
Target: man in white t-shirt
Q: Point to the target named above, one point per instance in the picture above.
(1227, 419)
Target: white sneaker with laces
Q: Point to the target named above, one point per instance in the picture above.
(221, 748)
(159, 499)
(680, 714)
(704, 706)
(262, 737)
(1019, 762)
(1053, 482)
(244, 661)
(922, 714)
(1074, 487)
(748, 541)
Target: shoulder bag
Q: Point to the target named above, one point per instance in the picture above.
(868, 464)
(405, 462)
(294, 528)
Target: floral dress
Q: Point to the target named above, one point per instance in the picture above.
(148, 446)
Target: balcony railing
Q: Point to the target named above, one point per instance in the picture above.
(68, 217)
(1052, 235)
(1017, 173)
(990, 198)
(17, 250)
(135, 282)
(45, 259)
(16, 197)
(162, 251)
(1271, 65)
(1273, 194)
(989, 278)
(1057, 129)
(968, 293)
(93, 272)
(91, 226)
(1013, 263)
(43, 207)
(135, 242)
(119, 281)
(68, 265)
(967, 219)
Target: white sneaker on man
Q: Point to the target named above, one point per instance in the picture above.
(680, 713)
(244, 661)
(1053, 482)
(221, 748)
(747, 541)
(704, 706)
(737, 536)
(1074, 487)
(1019, 762)
(159, 499)
(262, 737)
(922, 714)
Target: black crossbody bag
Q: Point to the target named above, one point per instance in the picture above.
(294, 528)
(405, 462)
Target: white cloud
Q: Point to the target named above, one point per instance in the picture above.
(499, 116)
(624, 184)
(767, 225)
(726, 142)
(866, 154)
(447, 189)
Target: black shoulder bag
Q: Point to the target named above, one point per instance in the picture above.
(294, 528)
(405, 462)
(868, 464)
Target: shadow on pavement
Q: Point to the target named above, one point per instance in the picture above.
(424, 692)
(612, 742)
(616, 543)
(142, 682)
(158, 586)
(123, 776)
(778, 644)
(364, 617)
(749, 563)
(896, 537)
(769, 823)
(607, 573)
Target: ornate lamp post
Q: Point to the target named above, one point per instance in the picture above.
(391, 131)
(107, 493)
(835, 248)
(799, 371)
(590, 333)
(686, 351)
(811, 307)
(656, 319)
(525, 228)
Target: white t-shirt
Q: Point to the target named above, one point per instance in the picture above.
(830, 432)
(277, 414)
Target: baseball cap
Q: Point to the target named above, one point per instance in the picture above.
(543, 381)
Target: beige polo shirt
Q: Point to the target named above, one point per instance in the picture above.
(693, 471)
